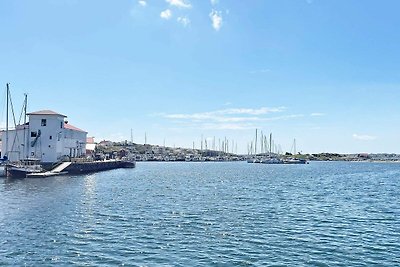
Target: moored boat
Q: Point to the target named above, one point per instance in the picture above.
(272, 161)
(295, 161)
(129, 163)
(23, 168)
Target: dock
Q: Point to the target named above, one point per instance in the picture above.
(95, 166)
(79, 167)
(61, 167)
(58, 170)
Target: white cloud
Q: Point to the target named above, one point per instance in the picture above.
(185, 21)
(166, 14)
(216, 19)
(226, 114)
(232, 118)
(317, 114)
(250, 111)
(214, 2)
(179, 3)
(364, 137)
(142, 3)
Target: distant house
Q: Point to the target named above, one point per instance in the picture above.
(47, 136)
(364, 155)
(90, 146)
(105, 143)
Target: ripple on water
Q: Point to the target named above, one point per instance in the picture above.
(200, 214)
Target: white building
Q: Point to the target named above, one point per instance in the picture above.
(90, 146)
(47, 136)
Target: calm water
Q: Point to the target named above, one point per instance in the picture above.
(206, 214)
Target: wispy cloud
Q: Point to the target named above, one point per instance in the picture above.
(179, 3)
(250, 111)
(231, 118)
(185, 21)
(166, 14)
(216, 19)
(364, 137)
(142, 3)
(224, 112)
(317, 114)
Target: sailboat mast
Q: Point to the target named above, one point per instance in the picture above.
(8, 93)
(255, 144)
(270, 143)
(25, 135)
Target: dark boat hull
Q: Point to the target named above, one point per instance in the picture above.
(16, 172)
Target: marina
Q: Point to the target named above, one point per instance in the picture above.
(200, 133)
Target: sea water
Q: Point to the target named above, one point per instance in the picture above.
(205, 214)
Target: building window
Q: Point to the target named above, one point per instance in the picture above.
(51, 137)
(33, 134)
(44, 122)
(32, 154)
(61, 124)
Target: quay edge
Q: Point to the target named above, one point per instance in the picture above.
(97, 166)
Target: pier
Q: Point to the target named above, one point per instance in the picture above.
(78, 167)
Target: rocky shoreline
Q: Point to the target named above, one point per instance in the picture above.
(149, 152)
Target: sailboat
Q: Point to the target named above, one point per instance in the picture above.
(26, 166)
(294, 160)
(4, 159)
(23, 168)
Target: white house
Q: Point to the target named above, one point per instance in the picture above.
(90, 146)
(47, 136)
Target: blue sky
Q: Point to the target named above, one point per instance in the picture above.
(324, 72)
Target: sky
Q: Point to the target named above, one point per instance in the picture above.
(323, 72)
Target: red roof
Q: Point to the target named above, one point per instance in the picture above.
(90, 140)
(46, 112)
(72, 127)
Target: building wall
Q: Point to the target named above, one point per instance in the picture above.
(16, 143)
(74, 143)
(47, 145)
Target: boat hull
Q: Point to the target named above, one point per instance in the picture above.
(19, 172)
